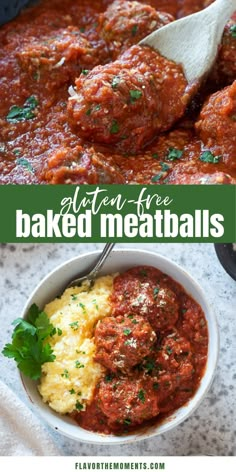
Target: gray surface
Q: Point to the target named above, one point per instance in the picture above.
(212, 428)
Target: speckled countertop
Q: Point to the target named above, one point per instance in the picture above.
(211, 430)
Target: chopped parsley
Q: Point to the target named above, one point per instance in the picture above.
(65, 374)
(114, 129)
(74, 297)
(127, 331)
(83, 307)
(135, 95)
(95, 303)
(109, 377)
(164, 166)
(23, 113)
(233, 31)
(169, 350)
(79, 406)
(88, 112)
(29, 347)
(59, 331)
(156, 290)
(156, 385)
(115, 81)
(74, 325)
(155, 155)
(127, 421)
(134, 30)
(141, 395)
(16, 152)
(208, 157)
(85, 71)
(21, 161)
(72, 391)
(157, 177)
(78, 365)
(143, 272)
(97, 107)
(174, 154)
(149, 365)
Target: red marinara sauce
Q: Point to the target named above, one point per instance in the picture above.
(53, 46)
(154, 350)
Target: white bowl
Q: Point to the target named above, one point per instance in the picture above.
(119, 261)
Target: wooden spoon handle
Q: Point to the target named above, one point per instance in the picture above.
(221, 11)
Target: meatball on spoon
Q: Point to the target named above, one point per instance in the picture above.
(128, 102)
(193, 41)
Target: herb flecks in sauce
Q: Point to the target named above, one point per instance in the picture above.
(26, 112)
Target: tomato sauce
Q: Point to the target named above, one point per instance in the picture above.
(153, 349)
(51, 45)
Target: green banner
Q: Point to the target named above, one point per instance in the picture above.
(121, 213)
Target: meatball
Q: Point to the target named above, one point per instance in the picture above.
(59, 56)
(123, 342)
(195, 327)
(226, 61)
(125, 23)
(142, 291)
(128, 400)
(200, 178)
(217, 124)
(128, 102)
(175, 355)
(80, 166)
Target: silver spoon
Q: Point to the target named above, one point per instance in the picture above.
(93, 273)
(193, 41)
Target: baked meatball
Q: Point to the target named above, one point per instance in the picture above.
(125, 23)
(200, 178)
(128, 400)
(127, 102)
(226, 61)
(123, 342)
(175, 355)
(80, 166)
(142, 291)
(60, 56)
(217, 124)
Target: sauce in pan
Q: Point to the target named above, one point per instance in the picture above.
(47, 137)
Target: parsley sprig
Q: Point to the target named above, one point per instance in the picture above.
(28, 347)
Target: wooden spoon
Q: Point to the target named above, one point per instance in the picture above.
(193, 41)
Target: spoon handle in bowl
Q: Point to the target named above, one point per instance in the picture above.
(105, 253)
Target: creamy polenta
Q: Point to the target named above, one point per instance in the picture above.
(68, 383)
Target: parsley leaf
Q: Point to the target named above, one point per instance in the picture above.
(135, 95)
(28, 347)
(114, 127)
(208, 157)
(23, 113)
(115, 81)
(79, 406)
(141, 396)
(127, 331)
(134, 30)
(233, 31)
(157, 177)
(21, 161)
(174, 154)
